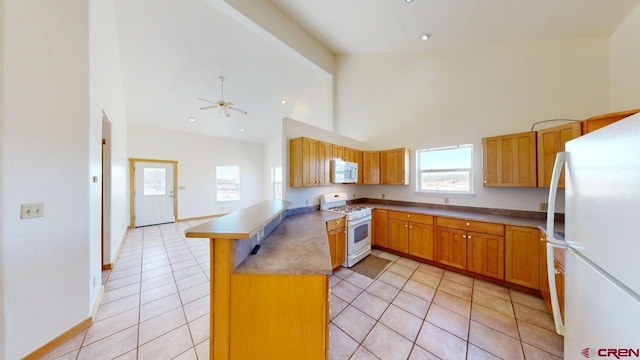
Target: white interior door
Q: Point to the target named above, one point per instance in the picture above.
(153, 193)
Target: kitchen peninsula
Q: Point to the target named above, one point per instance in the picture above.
(274, 304)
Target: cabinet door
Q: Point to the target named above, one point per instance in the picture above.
(451, 247)
(394, 167)
(338, 152)
(421, 240)
(399, 235)
(324, 156)
(370, 167)
(597, 122)
(380, 227)
(510, 160)
(485, 254)
(522, 256)
(341, 247)
(550, 142)
(303, 162)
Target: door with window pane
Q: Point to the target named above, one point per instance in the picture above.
(154, 193)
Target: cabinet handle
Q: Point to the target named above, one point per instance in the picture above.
(337, 222)
(485, 181)
(469, 237)
(557, 272)
(410, 226)
(406, 226)
(408, 215)
(541, 238)
(464, 236)
(467, 224)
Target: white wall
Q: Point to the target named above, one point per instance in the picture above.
(273, 161)
(197, 158)
(457, 96)
(107, 96)
(300, 197)
(47, 156)
(625, 57)
(3, 308)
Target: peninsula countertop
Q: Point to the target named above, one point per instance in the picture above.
(298, 246)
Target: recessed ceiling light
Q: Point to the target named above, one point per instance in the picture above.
(192, 119)
(425, 36)
(408, 1)
(283, 101)
(241, 129)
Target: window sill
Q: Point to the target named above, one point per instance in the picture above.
(444, 194)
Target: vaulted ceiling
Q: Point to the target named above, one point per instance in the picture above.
(172, 52)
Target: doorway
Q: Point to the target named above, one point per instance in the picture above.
(153, 195)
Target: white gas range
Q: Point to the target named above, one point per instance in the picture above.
(358, 225)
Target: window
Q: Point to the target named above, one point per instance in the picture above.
(228, 183)
(155, 181)
(446, 170)
(276, 176)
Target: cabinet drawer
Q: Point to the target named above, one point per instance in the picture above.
(335, 224)
(413, 217)
(477, 226)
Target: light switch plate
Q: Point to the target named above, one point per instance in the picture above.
(29, 211)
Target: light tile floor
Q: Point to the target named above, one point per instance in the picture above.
(156, 306)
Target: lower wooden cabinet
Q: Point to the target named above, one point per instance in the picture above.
(399, 235)
(558, 262)
(380, 227)
(451, 247)
(421, 240)
(485, 254)
(411, 233)
(337, 236)
(522, 256)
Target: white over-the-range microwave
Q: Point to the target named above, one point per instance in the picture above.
(343, 172)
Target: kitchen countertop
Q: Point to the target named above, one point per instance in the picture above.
(297, 246)
(241, 224)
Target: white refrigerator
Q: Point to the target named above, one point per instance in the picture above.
(602, 238)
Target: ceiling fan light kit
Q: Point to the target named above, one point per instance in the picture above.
(224, 106)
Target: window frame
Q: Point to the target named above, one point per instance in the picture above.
(237, 183)
(445, 193)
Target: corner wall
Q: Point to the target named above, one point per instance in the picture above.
(625, 57)
(46, 157)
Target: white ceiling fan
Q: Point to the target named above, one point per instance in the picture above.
(224, 106)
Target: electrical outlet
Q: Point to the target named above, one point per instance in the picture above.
(383, 196)
(544, 206)
(446, 200)
(29, 211)
(354, 195)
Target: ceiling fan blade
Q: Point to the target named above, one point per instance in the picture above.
(225, 111)
(238, 110)
(209, 107)
(209, 101)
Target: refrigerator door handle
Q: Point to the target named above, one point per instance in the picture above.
(552, 242)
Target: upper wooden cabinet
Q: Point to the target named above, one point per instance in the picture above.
(370, 167)
(309, 162)
(596, 122)
(550, 142)
(509, 160)
(394, 167)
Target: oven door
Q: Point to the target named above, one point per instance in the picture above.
(358, 235)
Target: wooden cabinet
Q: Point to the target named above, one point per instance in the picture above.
(338, 152)
(309, 162)
(544, 279)
(290, 323)
(394, 167)
(337, 237)
(509, 160)
(451, 247)
(380, 225)
(485, 254)
(370, 167)
(411, 233)
(522, 256)
(473, 245)
(594, 123)
(550, 142)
